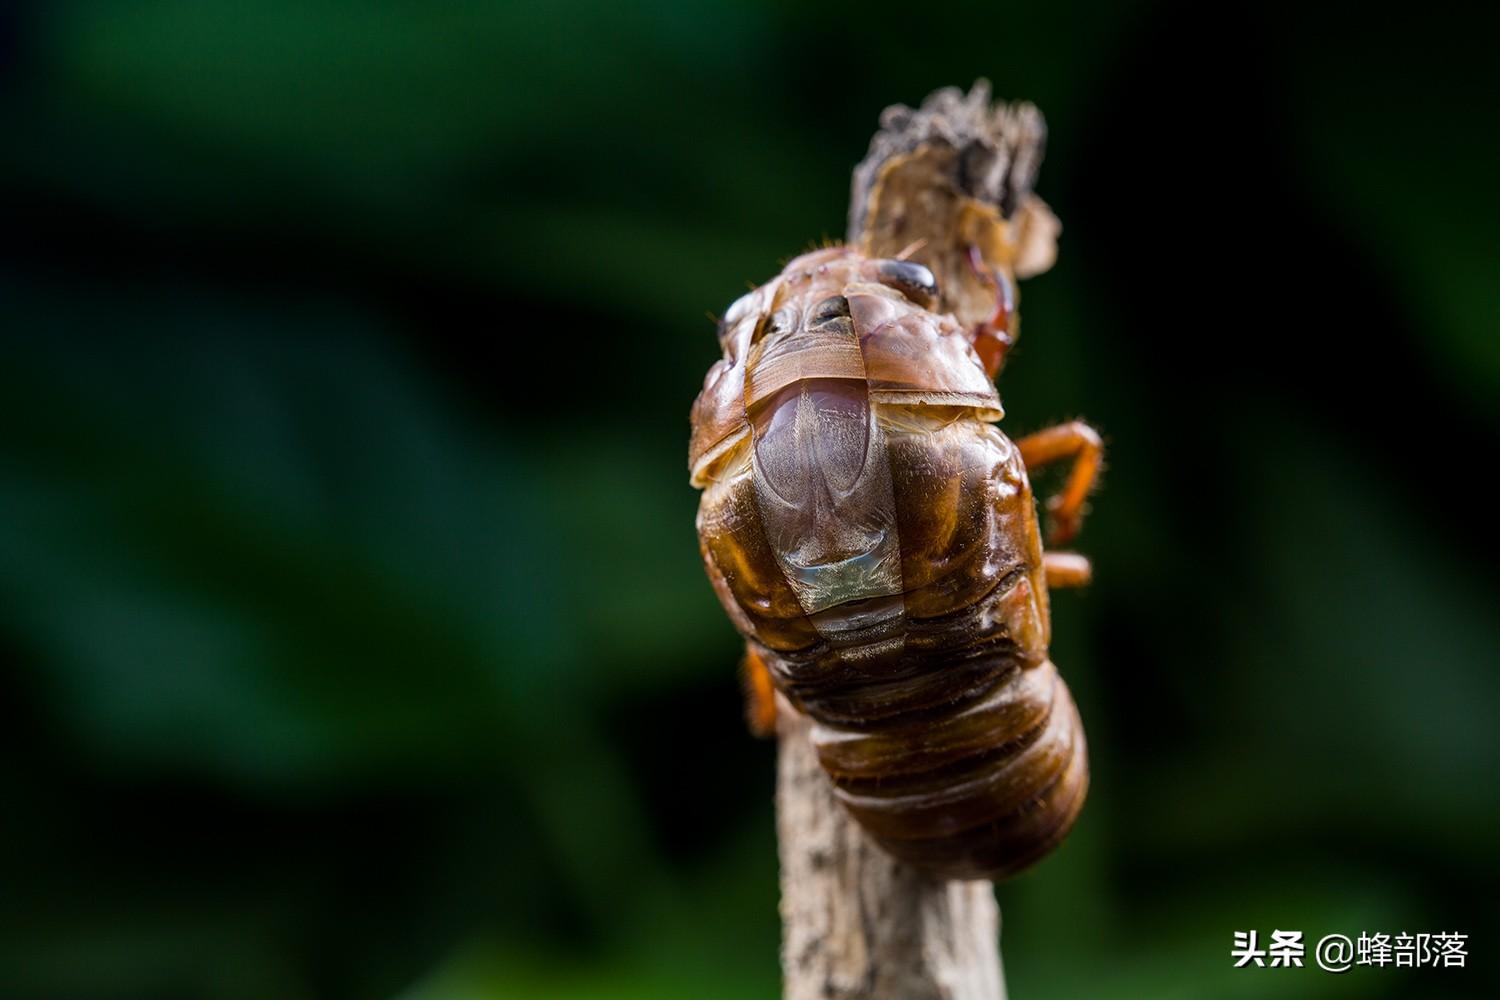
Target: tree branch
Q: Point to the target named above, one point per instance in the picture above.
(859, 925)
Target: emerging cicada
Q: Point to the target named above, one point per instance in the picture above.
(872, 533)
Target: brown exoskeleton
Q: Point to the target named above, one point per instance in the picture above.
(872, 533)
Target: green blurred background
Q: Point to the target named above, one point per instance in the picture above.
(353, 634)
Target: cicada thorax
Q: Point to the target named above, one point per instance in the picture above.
(873, 535)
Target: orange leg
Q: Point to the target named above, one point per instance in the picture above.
(994, 337)
(1079, 442)
(1067, 569)
(760, 695)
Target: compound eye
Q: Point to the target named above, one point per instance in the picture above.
(781, 321)
(832, 308)
(909, 278)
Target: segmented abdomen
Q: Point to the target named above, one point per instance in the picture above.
(947, 732)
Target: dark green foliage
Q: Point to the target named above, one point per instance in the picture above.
(354, 638)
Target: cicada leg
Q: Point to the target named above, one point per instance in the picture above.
(1079, 442)
(994, 337)
(760, 695)
(1067, 569)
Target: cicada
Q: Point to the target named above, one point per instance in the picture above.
(872, 533)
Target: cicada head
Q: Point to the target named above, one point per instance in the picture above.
(856, 326)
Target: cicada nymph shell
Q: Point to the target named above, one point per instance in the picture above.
(873, 535)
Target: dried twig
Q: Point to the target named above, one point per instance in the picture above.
(859, 924)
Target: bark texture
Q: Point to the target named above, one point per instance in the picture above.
(859, 925)
(953, 174)
(997, 149)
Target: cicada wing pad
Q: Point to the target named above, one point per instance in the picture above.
(822, 476)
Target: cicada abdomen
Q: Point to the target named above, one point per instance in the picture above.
(873, 535)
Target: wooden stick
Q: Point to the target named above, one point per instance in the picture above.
(857, 924)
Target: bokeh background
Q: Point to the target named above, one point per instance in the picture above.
(353, 635)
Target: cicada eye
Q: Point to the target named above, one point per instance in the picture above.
(909, 278)
(832, 308)
(781, 321)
